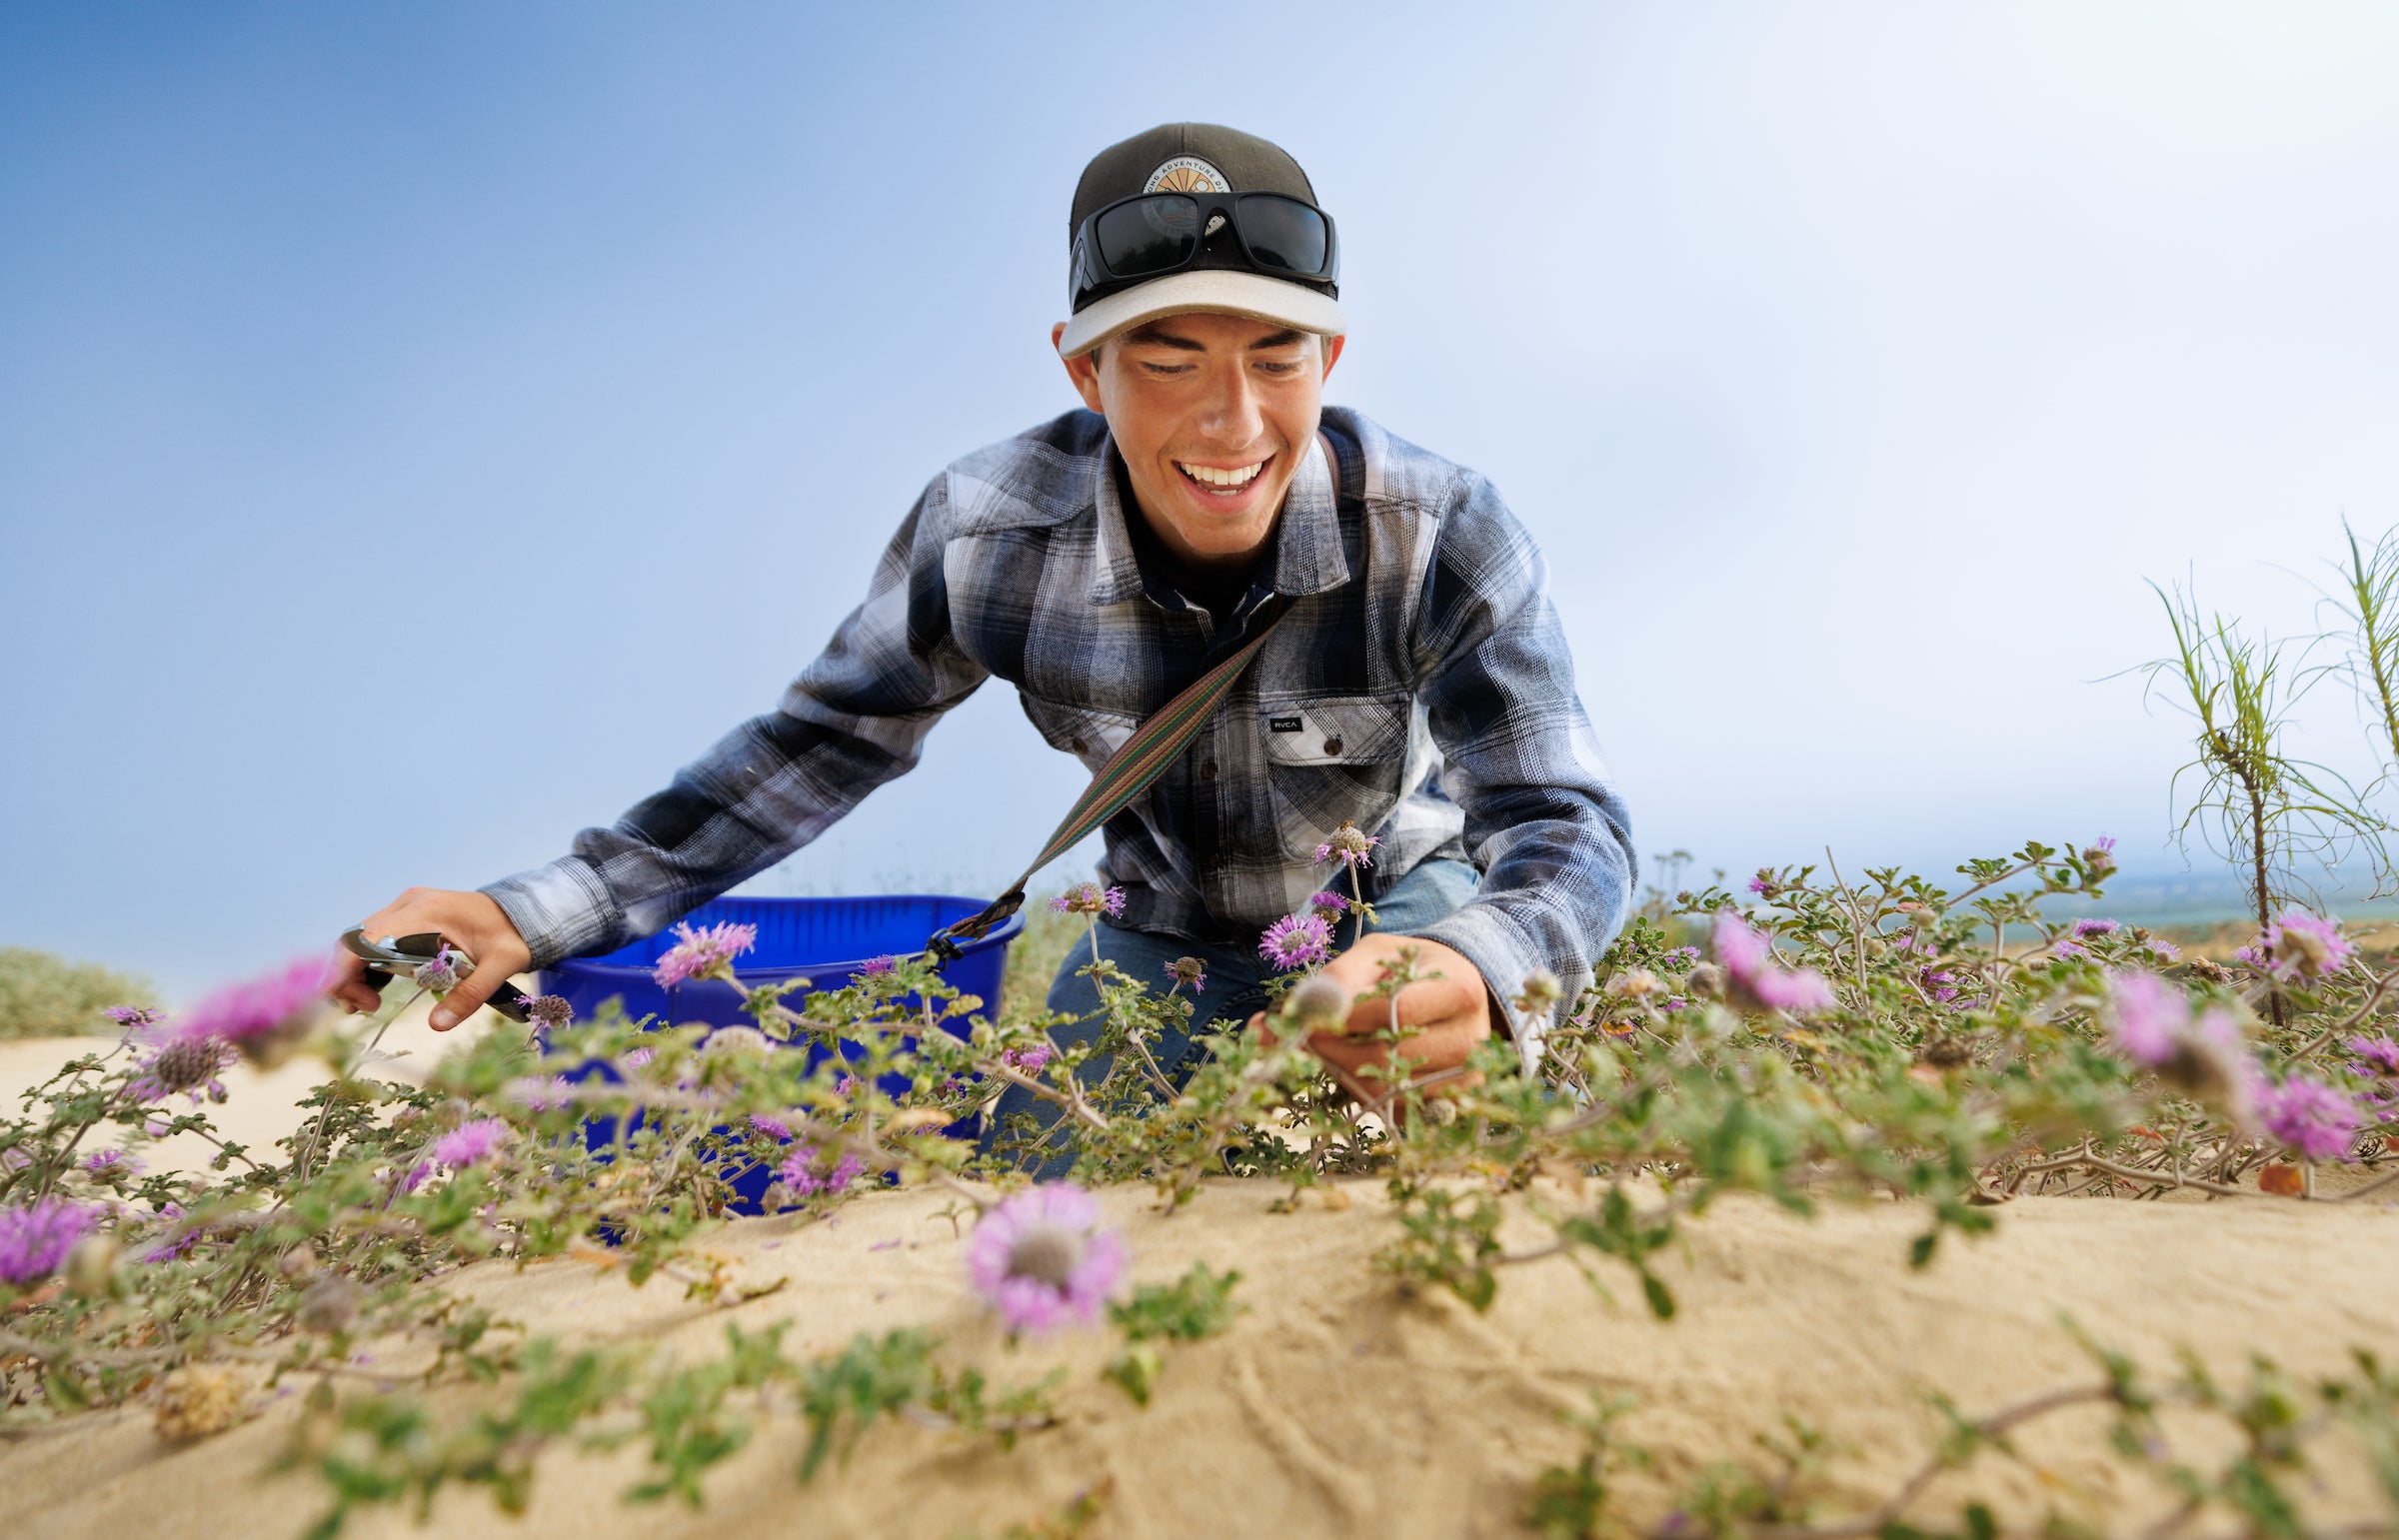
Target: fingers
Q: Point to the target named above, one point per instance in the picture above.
(470, 921)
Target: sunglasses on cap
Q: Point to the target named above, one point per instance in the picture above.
(1151, 234)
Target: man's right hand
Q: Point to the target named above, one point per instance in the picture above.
(470, 921)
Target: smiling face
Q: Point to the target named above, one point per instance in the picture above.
(1213, 414)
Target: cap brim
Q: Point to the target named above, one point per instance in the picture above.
(1215, 290)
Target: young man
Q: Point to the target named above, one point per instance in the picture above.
(1414, 685)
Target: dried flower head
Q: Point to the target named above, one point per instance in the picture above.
(1752, 979)
(1042, 1259)
(1634, 984)
(1295, 941)
(1349, 847)
(548, 1013)
(2100, 855)
(1540, 994)
(1318, 1003)
(200, 1399)
(182, 1064)
(470, 1144)
(1187, 971)
(35, 1240)
(1090, 899)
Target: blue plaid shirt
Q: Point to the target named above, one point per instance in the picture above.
(1420, 688)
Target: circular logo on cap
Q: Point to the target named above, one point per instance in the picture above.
(1187, 174)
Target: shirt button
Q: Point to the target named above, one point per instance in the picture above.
(1208, 770)
(1333, 746)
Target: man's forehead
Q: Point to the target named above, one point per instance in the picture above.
(1199, 330)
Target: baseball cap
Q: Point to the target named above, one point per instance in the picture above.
(1204, 159)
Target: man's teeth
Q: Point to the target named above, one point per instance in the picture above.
(1209, 475)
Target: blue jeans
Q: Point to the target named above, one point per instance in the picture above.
(1236, 982)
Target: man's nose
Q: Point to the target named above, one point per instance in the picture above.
(1232, 416)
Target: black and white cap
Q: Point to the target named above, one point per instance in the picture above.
(1198, 158)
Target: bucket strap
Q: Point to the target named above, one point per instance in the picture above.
(1139, 760)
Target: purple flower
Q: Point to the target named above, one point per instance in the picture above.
(2314, 1119)
(548, 1013)
(1187, 971)
(2100, 855)
(1030, 1061)
(771, 1127)
(182, 1063)
(415, 1178)
(634, 1058)
(1349, 847)
(1752, 979)
(799, 1171)
(440, 974)
(2162, 949)
(2088, 927)
(1683, 954)
(875, 968)
(171, 1250)
(1297, 940)
(542, 1093)
(2377, 1055)
(2153, 1027)
(1761, 886)
(274, 1004)
(134, 1019)
(100, 1161)
(705, 953)
(470, 1144)
(2065, 951)
(2299, 944)
(1329, 906)
(35, 1240)
(1090, 899)
(1042, 1259)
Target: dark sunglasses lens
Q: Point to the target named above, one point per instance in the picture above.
(1285, 234)
(1148, 235)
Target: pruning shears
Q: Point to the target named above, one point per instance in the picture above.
(394, 955)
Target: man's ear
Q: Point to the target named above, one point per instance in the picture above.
(1332, 354)
(1083, 369)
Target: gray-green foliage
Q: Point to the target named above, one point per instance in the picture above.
(43, 994)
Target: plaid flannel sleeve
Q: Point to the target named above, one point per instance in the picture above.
(855, 719)
(1542, 819)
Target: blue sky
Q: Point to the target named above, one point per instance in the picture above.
(423, 428)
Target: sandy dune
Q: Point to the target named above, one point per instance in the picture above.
(1339, 1405)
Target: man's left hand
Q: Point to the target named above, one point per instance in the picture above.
(1441, 1015)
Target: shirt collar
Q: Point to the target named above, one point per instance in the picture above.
(1308, 557)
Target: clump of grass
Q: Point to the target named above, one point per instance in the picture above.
(43, 994)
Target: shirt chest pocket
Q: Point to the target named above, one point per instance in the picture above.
(1335, 729)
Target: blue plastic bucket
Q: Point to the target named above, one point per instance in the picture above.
(825, 939)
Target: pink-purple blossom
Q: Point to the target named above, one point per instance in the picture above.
(1029, 1059)
(103, 1160)
(1329, 905)
(543, 1093)
(266, 1006)
(2151, 1024)
(2300, 946)
(470, 1144)
(1091, 899)
(771, 1127)
(1187, 971)
(707, 953)
(1754, 982)
(799, 1175)
(35, 1240)
(1297, 940)
(634, 1058)
(440, 972)
(2066, 952)
(2091, 927)
(134, 1019)
(2162, 949)
(2377, 1054)
(876, 967)
(2317, 1122)
(1041, 1261)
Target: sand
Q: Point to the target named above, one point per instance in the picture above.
(1340, 1404)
